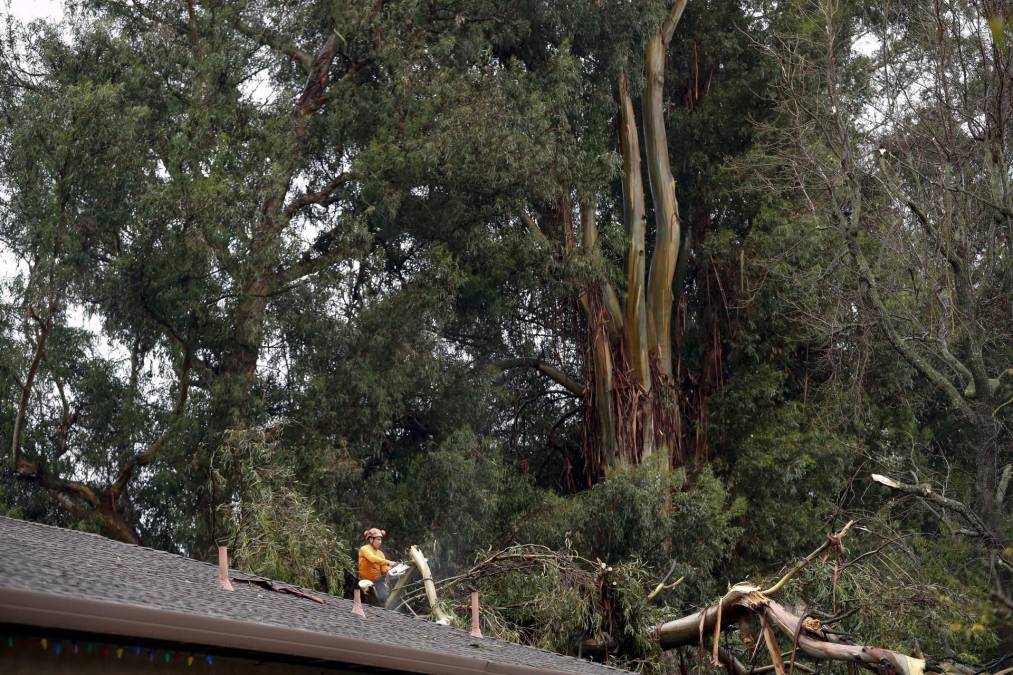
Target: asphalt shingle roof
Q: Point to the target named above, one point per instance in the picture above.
(58, 561)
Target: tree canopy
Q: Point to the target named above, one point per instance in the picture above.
(577, 295)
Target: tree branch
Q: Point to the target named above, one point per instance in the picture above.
(589, 239)
(137, 461)
(318, 196)
(37, 473)
(672, 21)
(907, 352)
(270, 38)
(45, 328)
(635, 324)
(667, 225)
(991, 540)
(559, 377)
(532, 226)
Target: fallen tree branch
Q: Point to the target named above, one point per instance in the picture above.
(832, 540)
(427, 580)
(809, 637)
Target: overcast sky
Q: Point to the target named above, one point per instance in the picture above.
(35, 9)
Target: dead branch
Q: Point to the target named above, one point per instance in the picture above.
(987, 536)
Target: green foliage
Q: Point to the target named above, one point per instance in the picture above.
(326, 368)
(653, 515)
(572, 605)
(456, 499)
(275, 531)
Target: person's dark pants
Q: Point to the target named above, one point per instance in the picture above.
(381, 590)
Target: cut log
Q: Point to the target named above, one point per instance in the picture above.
(422, 565)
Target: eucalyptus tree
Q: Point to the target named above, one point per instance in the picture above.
(616, 229)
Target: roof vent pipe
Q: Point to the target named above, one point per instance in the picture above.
(223, 569)
(476, 630)
(357, 604)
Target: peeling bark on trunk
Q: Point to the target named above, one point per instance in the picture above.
(660, 296)
(636, 423)
(638, 331)
(628, 404)
(634, 215)
(596, 317)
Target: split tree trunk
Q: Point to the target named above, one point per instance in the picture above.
(631, 428)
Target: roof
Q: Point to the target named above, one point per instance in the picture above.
(70, 580)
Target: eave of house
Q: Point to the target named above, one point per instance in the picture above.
(62, 612)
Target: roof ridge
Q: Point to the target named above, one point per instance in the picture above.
(111, 541)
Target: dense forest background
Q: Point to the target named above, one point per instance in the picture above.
(659, 290)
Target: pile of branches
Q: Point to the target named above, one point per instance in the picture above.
(562, 601)
(554, 599)
(746, 606)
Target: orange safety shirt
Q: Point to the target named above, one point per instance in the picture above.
(372, 563)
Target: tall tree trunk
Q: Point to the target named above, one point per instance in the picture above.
(628, 398)
(231, 407)
(637, 330)
(593, 302)
(660, 295)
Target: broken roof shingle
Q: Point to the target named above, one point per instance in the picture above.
(50, 560)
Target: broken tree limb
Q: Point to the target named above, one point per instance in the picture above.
(812, 640)
(808, 636)
(925, 491)
(422, 565)
(815, 643)
(832, 540)
(686, 630)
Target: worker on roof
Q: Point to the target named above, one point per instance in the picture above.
(373, 564)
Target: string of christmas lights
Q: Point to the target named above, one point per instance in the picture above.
(107, 650)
